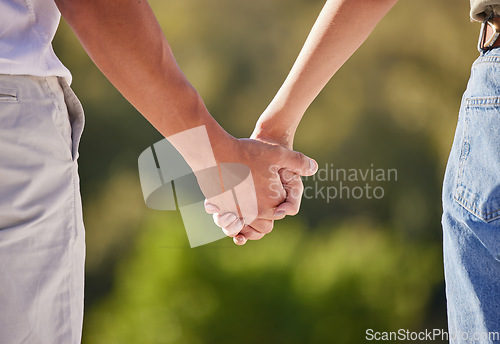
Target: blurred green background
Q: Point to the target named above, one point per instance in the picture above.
(331, 272)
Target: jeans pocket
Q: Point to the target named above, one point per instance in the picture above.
(478, 176)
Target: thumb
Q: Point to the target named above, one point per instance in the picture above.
(298, 163)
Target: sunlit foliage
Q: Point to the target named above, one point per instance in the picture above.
(338, 268)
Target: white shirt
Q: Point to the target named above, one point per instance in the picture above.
(27, 28)
(480, 9)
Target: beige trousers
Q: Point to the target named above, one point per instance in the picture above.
(42, 245)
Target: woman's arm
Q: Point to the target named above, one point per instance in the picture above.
(342, 26)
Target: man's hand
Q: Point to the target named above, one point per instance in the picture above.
(276, 172)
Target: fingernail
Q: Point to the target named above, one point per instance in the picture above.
(230, 218)
(210, 208)
(239, 225)
(312, 165)
(279, 213)
(239, 240)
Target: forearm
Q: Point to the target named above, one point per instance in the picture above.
(125, 41)
(342, 26)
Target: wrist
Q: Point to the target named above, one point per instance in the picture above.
(270, 131)
(224, 146)
(200, 140)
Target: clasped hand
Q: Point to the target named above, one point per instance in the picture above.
(275, 185)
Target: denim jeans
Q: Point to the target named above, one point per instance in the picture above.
(471, 210)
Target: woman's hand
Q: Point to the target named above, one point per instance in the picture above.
(277, 187)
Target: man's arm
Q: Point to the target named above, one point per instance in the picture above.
(125, 41)
(342, 26)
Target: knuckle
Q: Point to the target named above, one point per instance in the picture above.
(216, 219)
(287, 175)
(265, 227)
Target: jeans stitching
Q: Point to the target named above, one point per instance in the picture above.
(464, 153)
(479, 102)
(474, 210)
